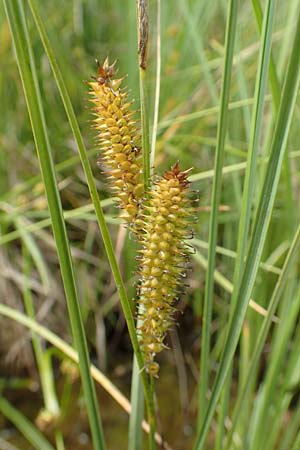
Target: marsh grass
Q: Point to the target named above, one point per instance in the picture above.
(223, 94)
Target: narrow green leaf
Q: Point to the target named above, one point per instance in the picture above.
(260, 229)
(137, 410)
(32, 434)
(17, 22)
(213, 225)
(289, 261)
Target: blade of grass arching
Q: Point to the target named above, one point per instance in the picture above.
(206, 112)
(35, 253)
(232, 168)
(228, 286)
(79, 213)
(28, 184)
(44, 368)
(250, 176)
(32, 434)
(43, 358)
(213, 225)
(17, 22)
(260, 228)
(231, 254)
(69, 352)
(94, 196)
(198, 48)
(288, 264)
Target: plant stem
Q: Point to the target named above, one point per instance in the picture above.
(213, 224)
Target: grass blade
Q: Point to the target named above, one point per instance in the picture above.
(263, 216)
(290, 259)
(213, 225)
(17, 23)
(137, 410)
(32, 434)
(250, 176)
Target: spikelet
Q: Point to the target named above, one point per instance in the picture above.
(119, 140)
(164, 257)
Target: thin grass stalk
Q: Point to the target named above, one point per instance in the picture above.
(36, 227)
(260, 228)
(45, 372)
(136, 416)
(43, 359)
(250, 176)
(213, 225)
(137, 409)
(157, 85)
(275, 397)
(59, 167)
(31, 248)
(94, 196)
(293, 430)
(25, 426)
(17, 22)
(196, 39)
(275, 89)
(143, 43)
(228, 286)
(256, 125)
(231, 254)
(274, 301)
(145, 128)
(71, 353)
(285, 391)
(222, 414)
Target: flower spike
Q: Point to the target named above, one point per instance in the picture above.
(164, 257)
(119, 140)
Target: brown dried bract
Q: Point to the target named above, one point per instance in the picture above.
(105, 72)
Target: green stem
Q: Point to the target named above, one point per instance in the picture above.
(260, 228)
(142, 33)
(17, 22)
(213, 224)
(43, 359)
(145, 128)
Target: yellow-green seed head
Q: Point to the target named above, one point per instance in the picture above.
(119, 140)
(164, 256)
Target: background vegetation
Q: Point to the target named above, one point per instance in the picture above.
(237, 398)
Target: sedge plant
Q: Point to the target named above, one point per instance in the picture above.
(222, 86)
